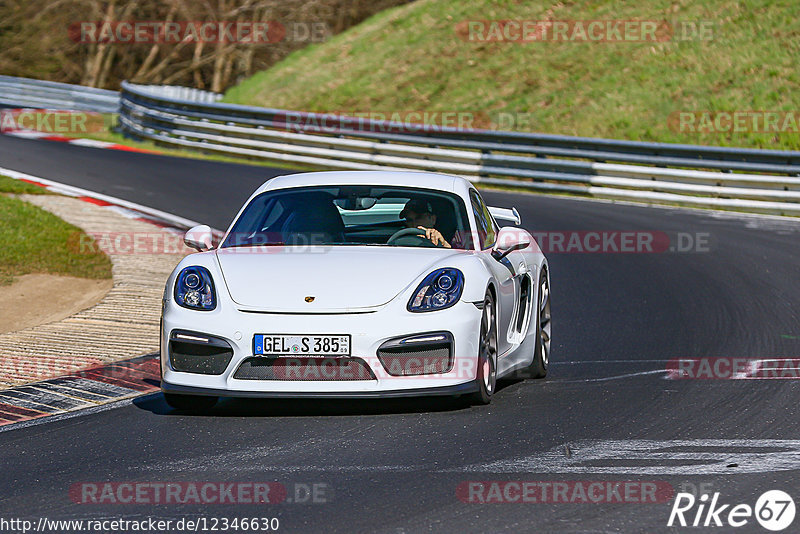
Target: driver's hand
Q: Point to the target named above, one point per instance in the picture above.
(435, 236)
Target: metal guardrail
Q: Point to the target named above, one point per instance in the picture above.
(178, 92)
(764, 181)
(24, 92)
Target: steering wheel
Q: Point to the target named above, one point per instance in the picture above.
(410, 237)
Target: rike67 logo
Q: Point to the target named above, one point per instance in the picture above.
(774, 510)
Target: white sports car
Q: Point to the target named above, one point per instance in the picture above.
(356, 284)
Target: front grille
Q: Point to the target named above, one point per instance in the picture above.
(404, 357)
(304, 369)
(192, 356)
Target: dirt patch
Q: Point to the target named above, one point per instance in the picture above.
(35, 299)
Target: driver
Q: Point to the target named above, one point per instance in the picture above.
(418, 213)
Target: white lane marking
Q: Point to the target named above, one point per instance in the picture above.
(342, 468)
(125, 212)
(616, 377)
(304, 468)
(28, 134)
(652, 457)
(91, 143)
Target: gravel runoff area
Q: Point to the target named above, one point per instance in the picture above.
(124, 324)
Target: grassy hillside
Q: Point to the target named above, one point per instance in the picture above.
(419, 57)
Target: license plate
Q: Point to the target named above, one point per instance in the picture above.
(299, 345)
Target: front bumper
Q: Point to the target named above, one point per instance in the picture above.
(458, 389)
(368, 332)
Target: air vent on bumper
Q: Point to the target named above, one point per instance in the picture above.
(420, 354)
(192, 352)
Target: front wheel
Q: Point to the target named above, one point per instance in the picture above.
(487, 355)
(190, 403)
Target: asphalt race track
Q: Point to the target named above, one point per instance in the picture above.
(608, 410)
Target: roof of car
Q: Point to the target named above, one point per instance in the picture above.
(426, 180)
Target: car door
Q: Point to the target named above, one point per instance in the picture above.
(505, 272)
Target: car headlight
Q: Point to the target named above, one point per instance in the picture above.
(439, 290)
(194, 289)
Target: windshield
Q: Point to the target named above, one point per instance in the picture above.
(353, 215)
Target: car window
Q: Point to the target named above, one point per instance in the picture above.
(487, 231)
(349, 215)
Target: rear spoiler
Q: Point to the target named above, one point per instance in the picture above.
(505, 214)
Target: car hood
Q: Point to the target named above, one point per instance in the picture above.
(340, 278)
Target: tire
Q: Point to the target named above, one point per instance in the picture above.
(486, 378)
(190, 403)
(541, 353)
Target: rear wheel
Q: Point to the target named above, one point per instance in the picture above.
(487, 355)
(541, 354)
(190, 403)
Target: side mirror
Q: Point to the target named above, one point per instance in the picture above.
(510, 239)
(199, 238)
(505, 214)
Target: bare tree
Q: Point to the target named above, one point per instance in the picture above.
(43, 39)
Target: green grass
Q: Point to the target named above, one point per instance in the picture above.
(18, 187)
(412, 58)
(33, 240)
